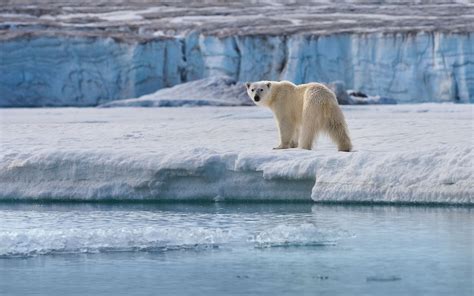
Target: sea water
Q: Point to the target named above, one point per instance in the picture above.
(234, 249)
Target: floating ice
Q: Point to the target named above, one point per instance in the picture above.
(77, 231)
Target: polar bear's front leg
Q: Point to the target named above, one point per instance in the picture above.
(294, 140)
(287, 130)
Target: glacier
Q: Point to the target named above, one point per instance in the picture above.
(420, 153)
(78, 71)
(51, 71)
(56, 56)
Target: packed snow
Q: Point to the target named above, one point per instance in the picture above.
(403, 154)
(213, 91)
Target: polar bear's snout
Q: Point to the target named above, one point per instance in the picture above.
(258, 91)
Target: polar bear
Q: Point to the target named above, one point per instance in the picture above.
(302, 112)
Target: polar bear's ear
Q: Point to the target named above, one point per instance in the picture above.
(247, 84)
(268, 84)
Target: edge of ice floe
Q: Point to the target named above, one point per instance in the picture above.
(205, 175)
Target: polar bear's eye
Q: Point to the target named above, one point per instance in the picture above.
(253, 89)
(261, 89)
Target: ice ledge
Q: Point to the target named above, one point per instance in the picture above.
(202, 174)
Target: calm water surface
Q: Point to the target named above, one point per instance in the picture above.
(235, 249)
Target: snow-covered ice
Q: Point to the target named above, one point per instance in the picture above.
(403, 154)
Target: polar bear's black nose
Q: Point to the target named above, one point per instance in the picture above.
(256, 98)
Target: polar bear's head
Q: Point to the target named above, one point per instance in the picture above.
(259, 91)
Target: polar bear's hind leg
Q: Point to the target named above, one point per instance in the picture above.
(321, 113)
(336, 128)
(338, 133)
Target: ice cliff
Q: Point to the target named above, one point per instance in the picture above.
(53, 56)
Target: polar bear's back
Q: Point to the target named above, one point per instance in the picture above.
(304, 94)
(318, 93)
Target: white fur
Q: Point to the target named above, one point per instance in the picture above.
(302, 112)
